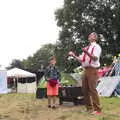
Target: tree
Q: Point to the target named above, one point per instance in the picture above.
(78, 18)
(37, 62)
(39, 59)
(16, 63)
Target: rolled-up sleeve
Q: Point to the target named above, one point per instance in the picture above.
(97, 51)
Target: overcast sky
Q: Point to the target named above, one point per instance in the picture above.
(25, 25)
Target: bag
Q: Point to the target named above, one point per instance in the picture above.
(53, 82)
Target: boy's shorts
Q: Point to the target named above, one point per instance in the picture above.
(52, 91)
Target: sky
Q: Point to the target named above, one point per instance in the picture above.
(26, 25)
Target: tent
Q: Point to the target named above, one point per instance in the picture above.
(25, 81)
(19, 73)
(110, 84)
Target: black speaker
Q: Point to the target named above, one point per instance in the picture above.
(41, 93)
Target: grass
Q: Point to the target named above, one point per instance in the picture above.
(27, 107)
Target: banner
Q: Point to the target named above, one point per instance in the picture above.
(3, 82)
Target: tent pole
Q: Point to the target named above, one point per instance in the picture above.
(17, 85)
(26, 84)
(14, 86)
(36, 83)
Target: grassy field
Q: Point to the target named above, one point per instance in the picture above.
(27, 107)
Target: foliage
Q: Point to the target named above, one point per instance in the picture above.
(42, 83)
(108, 59)
(78, 18)
(66, 79)
(16, 63)
(78, 70)
(40, 58)
(37, 61)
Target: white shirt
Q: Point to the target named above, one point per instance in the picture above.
(96, 52)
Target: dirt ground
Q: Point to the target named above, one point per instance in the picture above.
(27, 107)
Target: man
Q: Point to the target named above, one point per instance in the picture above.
(90, 62)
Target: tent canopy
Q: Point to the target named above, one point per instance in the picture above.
(19, 73)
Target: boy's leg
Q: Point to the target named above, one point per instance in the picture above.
(54, 100)
(49, 94)
(55, 94)
(49, 101)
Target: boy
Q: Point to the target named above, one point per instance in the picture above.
(52, 76)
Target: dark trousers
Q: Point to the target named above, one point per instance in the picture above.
(90, 79)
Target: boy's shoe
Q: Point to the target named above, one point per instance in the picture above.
(49, 106)
(53, 107)
(96, 113)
